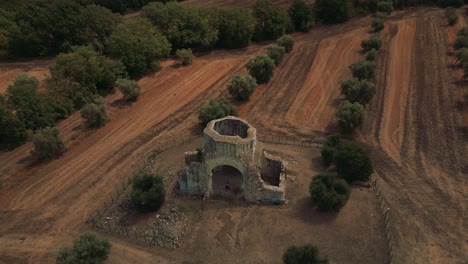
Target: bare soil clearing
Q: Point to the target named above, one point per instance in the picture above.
(419, 151)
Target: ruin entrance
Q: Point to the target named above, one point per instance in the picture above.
(227, 181)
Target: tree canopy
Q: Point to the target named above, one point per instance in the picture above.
(48, 144)
(235, 28)
(363, 70)
(302, 255)
(333, 11)
(242, 87)
(271, 22)
(353, 162)
(328, 192)
(301, 15)
(261, 68)
(287, 42)
(276, 53)
(350, 116)
(215, 110)
(355, 90)
(148, 192)
(87, 249)
(137, 43)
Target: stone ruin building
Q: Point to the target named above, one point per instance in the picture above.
(234, 164)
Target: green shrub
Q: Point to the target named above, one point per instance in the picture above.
(350, 116)
(287, 42)
(462, 55)
(361, 91)
(185, 56)
(95, 114)
(381, 15)
(301, 15)
(129, 88)
(363, 70)
(353, 163)
(215, 110)
(328, 192)
(88, 248)
(276, 53)
(385, 7)
(307, 254)
(148, 193)
(261, 68)
(374, 42)
(48, 144)
(371, 55)
(242, 87)
(378, 25)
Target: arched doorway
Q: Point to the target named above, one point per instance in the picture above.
(227, 181)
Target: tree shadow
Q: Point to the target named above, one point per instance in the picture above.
(308, 213)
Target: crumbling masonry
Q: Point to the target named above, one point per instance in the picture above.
(233, 161)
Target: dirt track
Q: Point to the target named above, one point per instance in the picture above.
(419, 151)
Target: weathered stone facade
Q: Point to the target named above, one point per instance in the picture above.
(232, 142)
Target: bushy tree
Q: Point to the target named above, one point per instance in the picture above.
(61, 95)
(353, 163)
(307, 254)
(451, 16)
(329, 192)
(371, 55)
(385, 7)
(48, 144)
(361, 91)
(374, 42)
(381, 15)
(95, 113)
(215, 110)
(129, 88)
(235, 28)
(242, 87)
(99, 23)
(330, 147)
(271, 20)
(29, 105)
(139, 46)
(185, 56)
(87, 249)
(350, 116)
(363, 70)
(89, 69)
(452, 3)
(185, 26)
(8, 29)
(276, 53)
(462, 55)
(378, 24)
(301, 15)
(287, 42)
(148, 193)
(261, 68)
(12, 131)
(333, 11)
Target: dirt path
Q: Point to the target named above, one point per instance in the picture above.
(426, 188)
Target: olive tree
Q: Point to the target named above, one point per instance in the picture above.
(242, 87)
(355, 90)
(371, 55)
(385, 7)
(271, 20)
(185, 56)
(350, 116)
(276, 53)
(215, 110)
(363, 70)
(287, 42)
(261, 68)
(378, 24)
(328, 192)
(88, 248)
(48, 144)
(95, 113)
(148, 193)
(353, 162)
(301, 15)
(129, 88)
(374, 42)
(302, 255)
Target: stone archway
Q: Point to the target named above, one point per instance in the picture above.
(226, 180)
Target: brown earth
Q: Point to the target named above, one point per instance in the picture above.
(419, 150)
(38, 68)
(44, 207)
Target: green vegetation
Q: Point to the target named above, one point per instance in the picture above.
(139, 46)
(307, 254)
(328, 192)
(12, 131)
(385, 7)
(48, 144)
(236, 27)
(301, 15)
(333, 11)
(374, 42)
(353, 162)
(276, 53)
(148, 192)
(330, 147)
(452, 16)
(378, 25)
(242, 87)
(261, 68)
(95, 113)
(350, 116)
(129, 88)
(215, 110)
(287, 42)
(462, 38)
(355, 90)
(185, 56)
(87, 249)
(371, 55)
(363, 70)
(271, 21)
